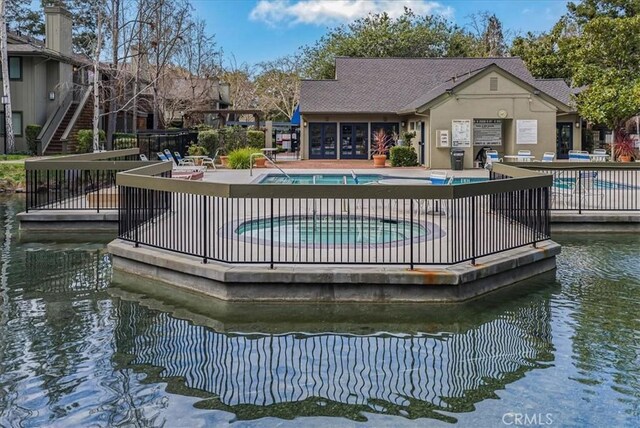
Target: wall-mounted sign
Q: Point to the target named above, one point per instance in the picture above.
(487, 132)
(443, 138)
(526, 131)
(461, 133)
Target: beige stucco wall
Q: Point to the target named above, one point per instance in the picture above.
(475, 101)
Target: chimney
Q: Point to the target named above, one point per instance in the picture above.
(58, 29)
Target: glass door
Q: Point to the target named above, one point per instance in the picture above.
(564, 139)
(353, 141)
(322, 140)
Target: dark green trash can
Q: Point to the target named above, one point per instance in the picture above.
(457, 159)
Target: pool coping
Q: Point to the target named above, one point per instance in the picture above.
(332, 283)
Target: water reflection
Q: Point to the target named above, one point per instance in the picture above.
(292, 374)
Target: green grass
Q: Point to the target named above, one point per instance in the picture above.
(14, 157)
(12, 175)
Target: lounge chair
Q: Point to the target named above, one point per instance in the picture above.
(599, 155)
(179, 159)
(143, 157)
(439, 178)
(548, 157)
(579, 156)
(211, 161)
(176, 167)
(492, 156)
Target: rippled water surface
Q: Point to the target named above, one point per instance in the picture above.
(75, 350)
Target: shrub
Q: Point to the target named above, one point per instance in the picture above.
(31, 134)
(85, 140)
(125, 143)
(196, 150)
(403, 156)
(121, 135)
(255, 139)
(209, 139)
(240, 158)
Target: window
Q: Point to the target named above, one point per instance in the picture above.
(493, 83)
(17, 123)
(15, 68)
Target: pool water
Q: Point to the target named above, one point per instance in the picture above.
(330, 230)
(346, 178)
(570, 183)
(77, 350)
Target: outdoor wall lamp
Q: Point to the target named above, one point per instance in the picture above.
(403, 124)
(52, 96)
(304, 123)
(577, 124)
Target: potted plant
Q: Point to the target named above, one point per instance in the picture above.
(260, 161)
(224, 159)
(380, 148)
(624, 148)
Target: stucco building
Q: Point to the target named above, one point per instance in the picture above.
(464, 103)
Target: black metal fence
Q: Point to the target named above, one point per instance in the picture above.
(78, 182)
(151, 142)
(592, 186)
(290, 224)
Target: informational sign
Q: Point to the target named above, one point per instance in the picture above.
(487, 132)
(443, 138)
(526, 131)
(461, 133)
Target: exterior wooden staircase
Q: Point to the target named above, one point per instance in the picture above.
(62, 134)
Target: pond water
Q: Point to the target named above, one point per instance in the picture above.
(76, 350)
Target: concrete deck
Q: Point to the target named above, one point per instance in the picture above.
(371, 283)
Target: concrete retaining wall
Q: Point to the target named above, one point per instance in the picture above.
(453, 283)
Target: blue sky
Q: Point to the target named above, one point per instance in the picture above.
(257, 30)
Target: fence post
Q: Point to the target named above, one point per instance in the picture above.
(271, 240)
(135, 217)
(205, 232)
(473, 230)
(579, 181)
(411, 234)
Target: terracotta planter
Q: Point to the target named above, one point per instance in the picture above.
(223, 160)
(624, 158)
(379, 161)
(260, 162)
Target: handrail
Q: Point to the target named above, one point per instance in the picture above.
(522, 180)
(53, 122)
(76, 114)
(268, 160)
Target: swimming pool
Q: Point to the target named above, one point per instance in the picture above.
(570, 183)
(347, 179)
(332, 230)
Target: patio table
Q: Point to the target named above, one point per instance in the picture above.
(270, 152)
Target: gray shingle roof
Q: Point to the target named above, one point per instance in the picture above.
(556, 88)
(389, 85)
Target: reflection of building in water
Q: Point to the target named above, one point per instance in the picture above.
(69, 270)
(349, 369)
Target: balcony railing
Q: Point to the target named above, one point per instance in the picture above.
(328, 224)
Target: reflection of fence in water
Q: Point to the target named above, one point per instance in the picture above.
(68, 270)
(349, 369)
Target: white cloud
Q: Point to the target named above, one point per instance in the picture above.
(323, 12)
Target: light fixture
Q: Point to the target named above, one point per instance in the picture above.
(403, 124)
(304, 123)
(577, 124)
(5, 99)
(52, 95)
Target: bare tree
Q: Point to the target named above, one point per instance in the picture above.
(6, 88)
(278, 85)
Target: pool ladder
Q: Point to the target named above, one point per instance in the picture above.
(268, 160)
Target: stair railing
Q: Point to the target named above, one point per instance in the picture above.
(86, 92)
(53, 122)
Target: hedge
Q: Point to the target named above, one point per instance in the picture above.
(403, 156)
(255, 139)
(85, 140)
(209, 139)
(31, 134)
